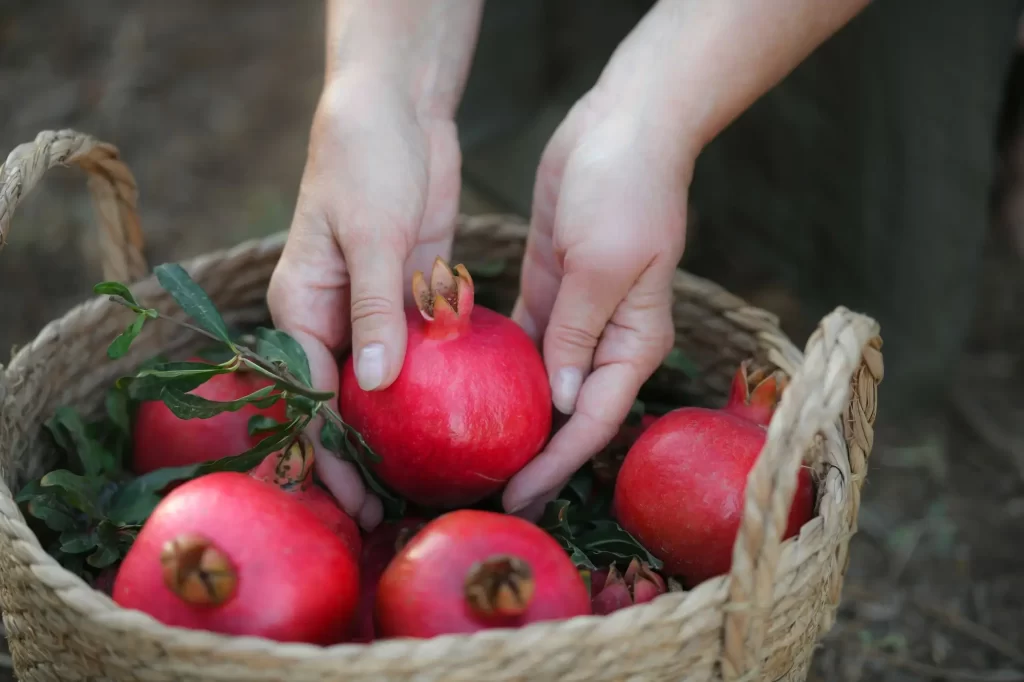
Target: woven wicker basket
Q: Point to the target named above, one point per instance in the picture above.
(761, 622)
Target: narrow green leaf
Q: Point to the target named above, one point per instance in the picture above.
(188, 406)
(71, 434)
(120, 345)
(115, 289)
(278, 347)
(216, 354)
(679, 362)
(578, 557)
(340, 443)
(148, 383)
(119, 410)
(606, 539)
(250, 458)
(260, 424)
(192, 299)
(555, 519)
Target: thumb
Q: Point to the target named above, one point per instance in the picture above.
(379, 329)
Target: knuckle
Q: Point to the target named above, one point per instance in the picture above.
(371, 310)
(575, 337)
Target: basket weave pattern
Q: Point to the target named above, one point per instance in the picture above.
(761, 622)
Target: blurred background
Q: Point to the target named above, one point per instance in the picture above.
(885, 174)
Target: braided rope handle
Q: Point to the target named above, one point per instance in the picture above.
(842, 351)
(111, 184)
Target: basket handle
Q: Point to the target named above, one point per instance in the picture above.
(111, 184)
(844, 350)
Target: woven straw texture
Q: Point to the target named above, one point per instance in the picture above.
(761, 622)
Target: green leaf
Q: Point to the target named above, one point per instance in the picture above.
(49, 509)
(104, 556)
(261, 424)
(148, 383)
(216, 354)
(76, 542)
(340, 443)
(135, 501)
(580, 488)
(278, 347)
(78, 491)
(115, 289)
(120, 345)
(606, 541)
(245, 461)
(188, 406)
(71, 434)
(192, 299)
(679, 362)
(488, 269)
(119, 410)
(555, 519)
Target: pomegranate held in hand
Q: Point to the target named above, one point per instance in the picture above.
(613, 590)
(379, 548)
(291, 470)
(680, 490)
(230, 554)
(470, 570)
(470, 407)
(160, 439)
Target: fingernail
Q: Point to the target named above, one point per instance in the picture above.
(565, 388)
(370, 366)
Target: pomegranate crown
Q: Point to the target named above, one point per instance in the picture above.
(755, 394)
(290, 468)
(447, 299)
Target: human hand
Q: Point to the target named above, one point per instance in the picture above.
(378, 200)
(607, 231)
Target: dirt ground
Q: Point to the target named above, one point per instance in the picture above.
(210, 104)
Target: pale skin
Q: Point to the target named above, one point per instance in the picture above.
(380, 193)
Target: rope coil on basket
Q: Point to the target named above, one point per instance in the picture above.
(759, 622)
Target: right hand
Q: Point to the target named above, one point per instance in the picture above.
(378, 200)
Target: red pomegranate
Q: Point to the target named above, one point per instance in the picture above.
(291, 470)
(160, 439)
(612, 590)
(470, 570)
(379, 548)
(680, 490)
(470, 408)
(230, 554)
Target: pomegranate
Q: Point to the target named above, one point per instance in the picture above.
(470, 407)
(612, 590)
(230, 554)
(160, 439)
(380, 547)
(291, 469)
(680, 490)
(470, 570)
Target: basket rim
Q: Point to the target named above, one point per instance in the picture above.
(76, 594)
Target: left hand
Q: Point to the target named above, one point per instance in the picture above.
(606, 234)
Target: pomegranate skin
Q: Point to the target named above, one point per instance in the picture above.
(681, 489)
(296, 581)
(161, 439)
(422, 591)
(291, 470)
(468, 410)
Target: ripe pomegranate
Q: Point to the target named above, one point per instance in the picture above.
(612, 590)
(160, 439)
(230, 554)
(470, 407)
(291, 469)
(680, 490)
(470, 570)
(380, 547)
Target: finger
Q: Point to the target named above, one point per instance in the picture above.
(375, 263)
(586, 300)
(421, 259)
(633, 345)
(372, 512)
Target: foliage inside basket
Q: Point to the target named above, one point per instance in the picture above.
(88, 512)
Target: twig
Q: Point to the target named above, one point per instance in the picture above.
(968, 627)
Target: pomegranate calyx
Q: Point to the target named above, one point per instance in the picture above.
(755, 394)
(447, 299)
(290, 468)
(501, 585)
(197, 571)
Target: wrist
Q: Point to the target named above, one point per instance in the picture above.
(420, 49)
